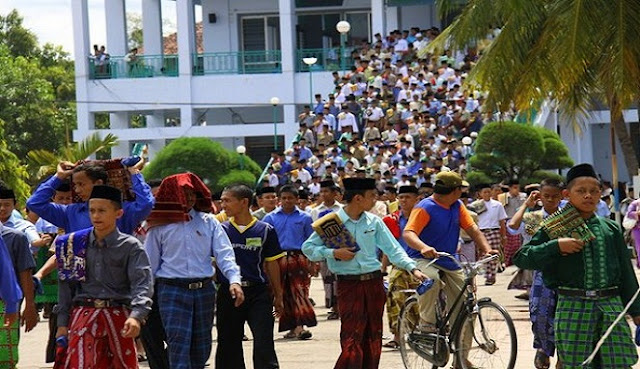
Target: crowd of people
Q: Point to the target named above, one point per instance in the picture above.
(372, 188)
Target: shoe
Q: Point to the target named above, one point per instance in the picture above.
(304, 335)
(141, 358)
(290, 335)
(245, 338)
(333, 316)
(489, 283)
(392, 345)
(313, 303)
(523, 296)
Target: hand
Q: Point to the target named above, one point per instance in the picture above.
(570, 245)
(29, 318)
(137, 167)
(532, 199)
(419, 275)
(9, 319)
(64, 170)
(131, 328)
(236, 294)
(278, 304)
(62, 331)
(344, 253)
(429, 252)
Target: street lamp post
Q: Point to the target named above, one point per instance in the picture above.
(241, 150)
(310, 62)
(343, 27)
(274, 102)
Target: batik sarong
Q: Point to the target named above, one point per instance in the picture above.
(579, 324)
(514, 241)
(298, 311)
(95, 339)
(361, 305)
(493, 238)
(542, 308)
(399, 280)
(9, 339)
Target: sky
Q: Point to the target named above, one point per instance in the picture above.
(51, 20)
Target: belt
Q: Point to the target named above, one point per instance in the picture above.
(360, 277)
(490, 229)
(590, 294)
(100, 303)
(251, 284)
(190, 284)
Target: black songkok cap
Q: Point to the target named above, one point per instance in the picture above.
(328, 184)
(64, 187)
(303, 195)
(482, 186)
(216, 196)
(581, 170)
(6, 193)
(107, 193)
(267, 189)
(426, 185)
(408, 189)
(359, 184)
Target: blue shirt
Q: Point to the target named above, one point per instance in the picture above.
(74, 217)
(305, 153)
(292, 229)
(10, 291)
(25, 227)
(253, 245)
(370, 234)
(185, 249)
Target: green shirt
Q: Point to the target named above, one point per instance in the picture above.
(602, 263)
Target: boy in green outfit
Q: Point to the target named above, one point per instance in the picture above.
(585, 259)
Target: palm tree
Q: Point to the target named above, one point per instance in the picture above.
(576, 53)
(45, 162)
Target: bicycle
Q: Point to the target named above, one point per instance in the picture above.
(482, 335)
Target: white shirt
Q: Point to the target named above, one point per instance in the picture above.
(273, 180)
(315, 212)
(348, 119)
(491, 218)
(314, 188)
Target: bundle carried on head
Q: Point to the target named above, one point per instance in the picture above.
(118, 175)
(171, 203)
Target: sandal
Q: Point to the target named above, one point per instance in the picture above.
(392, 345)
(290, 335)
(304, 335)
(541, 360)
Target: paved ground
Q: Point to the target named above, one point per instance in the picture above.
(321, 351)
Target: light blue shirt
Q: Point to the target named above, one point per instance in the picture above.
(25, 227)
(184, 249)
(370, 233)
(292, 229)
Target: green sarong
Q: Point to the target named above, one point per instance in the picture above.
(579, 324)
(50, 282)
(9, 338)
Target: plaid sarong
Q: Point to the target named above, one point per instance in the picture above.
(9, 339)
(399, 279)
(493, 238)
(513, 244)
(298, 311)
(579, 324)
(542, 307)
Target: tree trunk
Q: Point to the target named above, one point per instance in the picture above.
(628, 151)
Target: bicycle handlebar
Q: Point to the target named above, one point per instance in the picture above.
(467, 266)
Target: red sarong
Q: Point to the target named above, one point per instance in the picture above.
(361, 305)
(298, 311)
(95, 340)
(513, 244)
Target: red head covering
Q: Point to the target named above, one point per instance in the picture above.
(171, 203)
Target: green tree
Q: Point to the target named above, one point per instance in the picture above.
(208, 159)
(19, 40)
(134, 27)
(571, 52)
(508, 150)
(12, 172)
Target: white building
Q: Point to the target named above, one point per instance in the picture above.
(253, 51)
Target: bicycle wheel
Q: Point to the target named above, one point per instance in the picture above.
(487, 339)
(408, 322)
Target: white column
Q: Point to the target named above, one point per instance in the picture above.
(82, 50)
(186, 35)
(116, 27)
(287, 34)
(378, 17)
(119, 120)
(216, 37)
(153, 147)
(152, 27)
(392, 18)
(290, 125)
(121, 151)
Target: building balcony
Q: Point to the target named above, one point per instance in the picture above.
(143, 66)
(238, 62)
(327, 59)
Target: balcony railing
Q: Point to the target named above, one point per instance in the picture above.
(328, 59)
(142, 66)
(238, 62)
